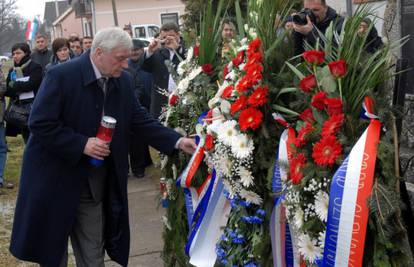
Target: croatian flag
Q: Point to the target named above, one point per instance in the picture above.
(32, 28)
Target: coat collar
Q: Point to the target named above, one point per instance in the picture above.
(88, 73)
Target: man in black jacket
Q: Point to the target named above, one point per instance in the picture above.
(41, 54)
(168, 47)
(323, 16)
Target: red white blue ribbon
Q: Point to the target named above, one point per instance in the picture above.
(348, 202)
(283, 250)
(368, 109)
(208, 224)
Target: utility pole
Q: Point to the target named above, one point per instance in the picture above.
(57, 8)
(115, 14)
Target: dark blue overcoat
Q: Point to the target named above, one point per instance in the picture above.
(66, 112)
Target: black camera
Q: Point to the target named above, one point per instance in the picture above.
(300, 17)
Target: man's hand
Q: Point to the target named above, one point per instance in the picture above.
(96, 148)
(304, 29)
(187, 145)
(154, 45)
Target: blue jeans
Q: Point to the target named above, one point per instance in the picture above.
(3, 151)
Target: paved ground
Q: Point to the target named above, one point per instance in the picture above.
(145, 222)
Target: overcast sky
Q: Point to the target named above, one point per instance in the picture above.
(31, 8)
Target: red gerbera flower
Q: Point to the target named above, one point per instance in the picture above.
(196, 51)
(239, 104)
(332, 125)
(250, 118)
(255, 58)
(254, 45)
(308, 83)
(326, 151)
(207, 68)
(314, 57)
(318, 100)
(227, 92)
(334, 106)
(303, 134)
(209, 145)
(259, 97)
(296, 165)
(307, 115)
(239, 59)
(338, 68)
(244, 84)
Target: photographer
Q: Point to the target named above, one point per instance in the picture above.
(167, 47)
(316, 16)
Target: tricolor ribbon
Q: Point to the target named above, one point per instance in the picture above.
(207, 209)
(368, 109)
(283, 250)
(348, 202)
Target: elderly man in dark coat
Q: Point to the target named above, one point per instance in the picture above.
(61, 194)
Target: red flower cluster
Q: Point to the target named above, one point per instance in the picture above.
(239, 59)
(307, 115)
(314, 57)
(225, 71)
(338, 68)
(334, 106)
(296, 168)
(250, 118)
(308, 83)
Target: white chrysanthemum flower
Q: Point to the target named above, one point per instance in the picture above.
(241, 66)
(298, 218)
(180, 68)
(242, 146)
(229, 188)
(183, 86)
(321, 240)
(225, 106)
(251, 197)
(321, 205)
(224, 167)
(308, 248)
(245, 176)
(194, 73)
(227, 131)
(214, 126)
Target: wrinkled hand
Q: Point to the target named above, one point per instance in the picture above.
(96, 148)
(187, 145)
(304, 29)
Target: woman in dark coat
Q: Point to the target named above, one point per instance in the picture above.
(23, 81)
(61, 52)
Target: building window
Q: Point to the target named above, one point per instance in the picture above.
(169, 17)
(140, 32)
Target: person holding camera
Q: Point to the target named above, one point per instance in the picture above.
(315, 16)
(167, 47)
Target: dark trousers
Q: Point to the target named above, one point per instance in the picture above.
(139, 155)
(87, 235)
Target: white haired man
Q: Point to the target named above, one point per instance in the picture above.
(61, 194)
